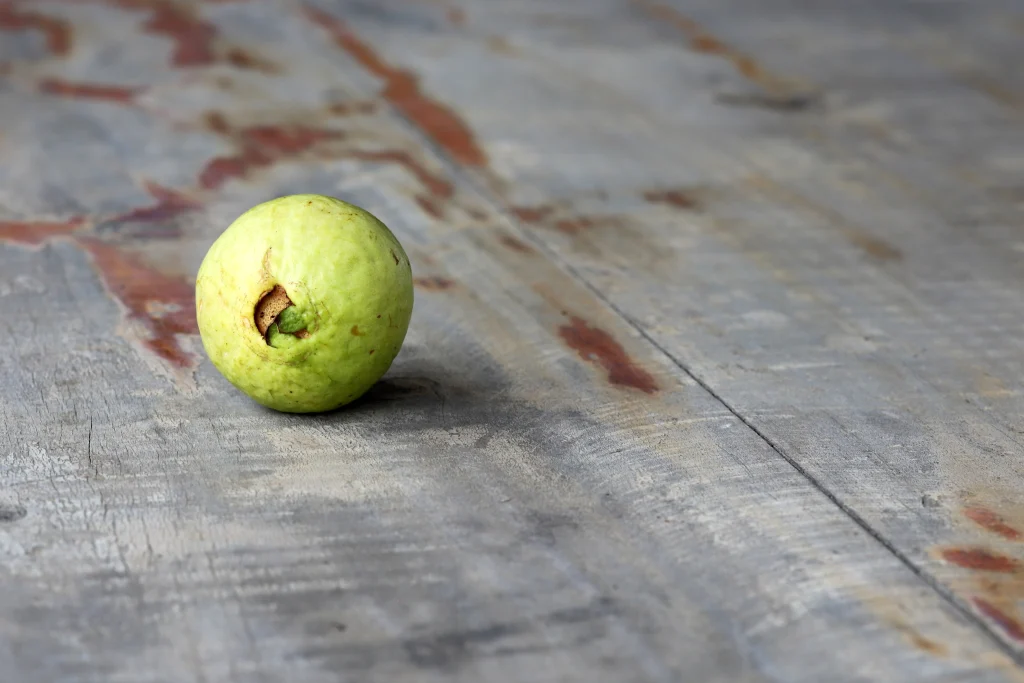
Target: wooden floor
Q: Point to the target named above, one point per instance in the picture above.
(715, 372)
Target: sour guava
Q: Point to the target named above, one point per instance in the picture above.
(303, 302)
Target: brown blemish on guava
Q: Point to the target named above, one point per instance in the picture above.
(269, 307)
(356, 332)
(395, 256)
(371, 351)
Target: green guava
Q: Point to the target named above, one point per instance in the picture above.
(303, 302)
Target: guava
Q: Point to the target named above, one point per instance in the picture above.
(303, 302)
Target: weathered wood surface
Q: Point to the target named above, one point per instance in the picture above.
(714, 372)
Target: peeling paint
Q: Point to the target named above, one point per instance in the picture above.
(402, 90)
(89, 91)
(56, 31)
(594, 345)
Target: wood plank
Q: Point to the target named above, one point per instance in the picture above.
(846, 278)
(535, 493)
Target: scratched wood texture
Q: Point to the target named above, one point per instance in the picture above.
(714, 373)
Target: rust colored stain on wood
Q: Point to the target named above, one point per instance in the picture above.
(402, 90)
(355, 107)
(531, 214)
(435, 283)
(677, 198)
(89, 91)
(576, 225)
(34, 233)
(437, 191)
(548, 217)
(193, 38)
(928, 645)
(701, 41)
(990, 521)
(435, 185)
(981, 559)
(169, 204)
(457, 16)
(243, 59)
(516, 244)
(56, 31)
(165, 305)
(1010, 626)
(874, 247)
(261, 147)
(594, 345)
(265, 145)
(217, 123)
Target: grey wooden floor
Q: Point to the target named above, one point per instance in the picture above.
(715, 372)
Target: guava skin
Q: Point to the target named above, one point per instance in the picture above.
(350, 285)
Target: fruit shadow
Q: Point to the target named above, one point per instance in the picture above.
(423, 384)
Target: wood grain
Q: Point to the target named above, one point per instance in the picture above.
(567, 475)
(839, 272)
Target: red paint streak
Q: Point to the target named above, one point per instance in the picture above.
(402, 90)
(981, 559)
(437, 189)
(286, 141)
(430, 206)
(531, 214)
(193, 38)
(169, 204)
(34, 233)
(262, 146)
(573, 226)
(676, 198)
(57, 31)
(217, 123)
(357, 107)
(435, 185)
(516, 244)
(242, 59)
(1010, 626)
(992, 522)
(89, 91)
(597, 346)
(435, 284)
(164, 304)
(702, 41)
